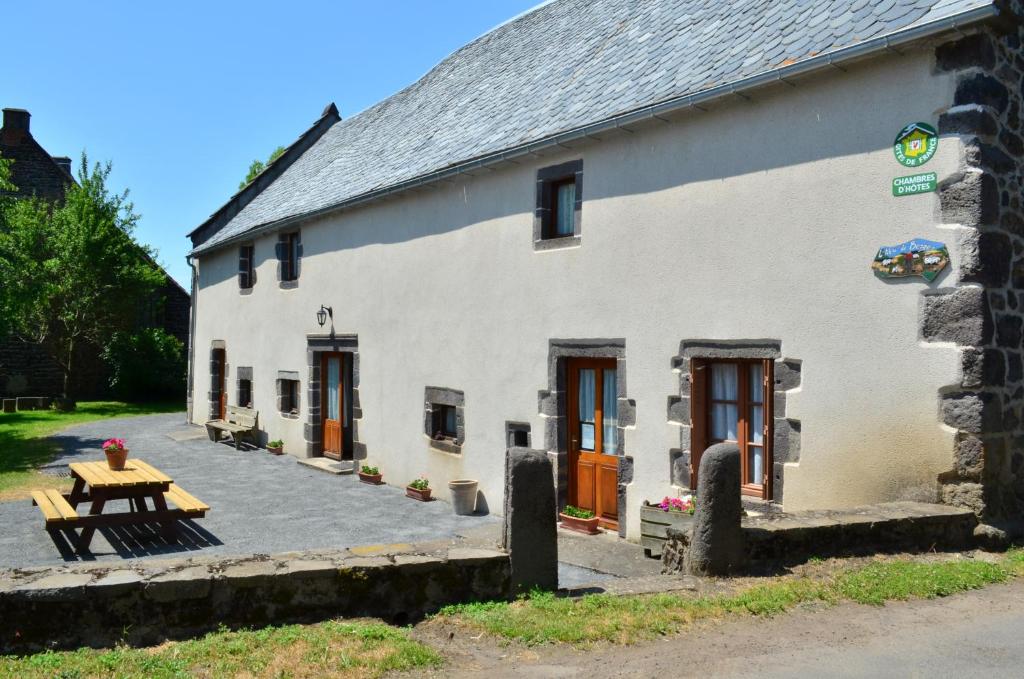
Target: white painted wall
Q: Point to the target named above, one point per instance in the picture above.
(756, 220)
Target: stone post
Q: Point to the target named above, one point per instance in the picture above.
(529, 533)
(716, 544)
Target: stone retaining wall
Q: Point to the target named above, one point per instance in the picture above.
(145, 602)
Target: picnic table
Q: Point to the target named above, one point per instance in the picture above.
(146, 488)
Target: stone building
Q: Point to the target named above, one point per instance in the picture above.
(25, 369)
(620, 232)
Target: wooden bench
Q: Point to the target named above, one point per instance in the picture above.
(55, 508)
(240, 422)
(189, 504)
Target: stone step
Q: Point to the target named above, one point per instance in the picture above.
(324, 464)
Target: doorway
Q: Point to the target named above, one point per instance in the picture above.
(592, 409)
(220, 382)
(334, 403)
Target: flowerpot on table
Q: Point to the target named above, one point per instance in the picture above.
(585, 526)
(417, 494)
(116, 457)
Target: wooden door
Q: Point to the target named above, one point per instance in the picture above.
(593, 438)
(220, 356)
(332, 403)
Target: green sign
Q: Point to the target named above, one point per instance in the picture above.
(915, 183)
(916, 144)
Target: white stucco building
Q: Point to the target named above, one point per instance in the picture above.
(619, 231)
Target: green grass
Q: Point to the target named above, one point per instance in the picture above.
(25, 443)
(545, 618)
(330, 649)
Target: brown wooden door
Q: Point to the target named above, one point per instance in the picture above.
(593, 438)
(332, 403)
(222, 382)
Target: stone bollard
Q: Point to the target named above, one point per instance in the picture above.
(529, 533)
(9, 405)
(716, 543)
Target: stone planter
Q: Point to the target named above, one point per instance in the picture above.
(275, 450)
(585, 526)
(654, 521)
(416, 494)
(372, 479)
(116, 458)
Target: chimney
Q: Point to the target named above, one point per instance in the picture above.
(63, 162)
(16, 119)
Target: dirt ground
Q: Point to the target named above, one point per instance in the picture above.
(974, 634)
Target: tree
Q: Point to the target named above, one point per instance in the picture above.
(258, 166)
(72, 272)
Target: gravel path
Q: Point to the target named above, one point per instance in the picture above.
(260, 503)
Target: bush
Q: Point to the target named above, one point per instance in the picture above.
(146, 365)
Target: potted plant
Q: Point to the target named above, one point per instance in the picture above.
(276, 446)
(419, 490)
(116, 453)
(655, 519)
(371, 475)
(579, 520)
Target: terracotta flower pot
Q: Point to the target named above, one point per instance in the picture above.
(275, 450)
(116, 458)
(415, 494)
(372, 479)
(585, 526)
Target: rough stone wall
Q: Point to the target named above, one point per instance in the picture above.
(985, 314)
(34, 172)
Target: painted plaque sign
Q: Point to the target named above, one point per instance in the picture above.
(916, 144)
(918, 257)
(915, 183)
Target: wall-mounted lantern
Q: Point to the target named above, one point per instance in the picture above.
(321, 316)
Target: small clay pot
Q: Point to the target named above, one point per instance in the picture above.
(116, 458)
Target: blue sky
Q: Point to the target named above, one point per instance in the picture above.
(182, 96)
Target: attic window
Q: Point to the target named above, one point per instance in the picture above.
(289, 256)
(557, 220)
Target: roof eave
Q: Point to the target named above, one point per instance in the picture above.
(826, 60)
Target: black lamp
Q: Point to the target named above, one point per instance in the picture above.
(321, 316)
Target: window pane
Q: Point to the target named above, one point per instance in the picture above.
(449, 420)
(587, 396)
(609, 413)
(756, 465)
(756, 383)
(723, 421)
(757, 424)
(724, 384)
(566, 203)
(333, 386)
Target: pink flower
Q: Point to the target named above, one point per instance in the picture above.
(113, 444)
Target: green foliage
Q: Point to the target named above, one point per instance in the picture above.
(257, 166)
(25, 442)
(367, 469)
(546, 618)
(419, 484)
(276, 443)
(330, 649)
(146, 364)
(72, 272)
(577, 513)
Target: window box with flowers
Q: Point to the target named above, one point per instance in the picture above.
(656, 519)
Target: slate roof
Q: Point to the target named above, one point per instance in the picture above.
(561, 66)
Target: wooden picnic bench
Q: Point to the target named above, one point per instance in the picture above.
(240, 422)
(139, 483)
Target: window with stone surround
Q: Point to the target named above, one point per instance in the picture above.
(244, 377)
(444, 418)
(288, 393)
(557, 220)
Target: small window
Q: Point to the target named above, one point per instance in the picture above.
(245, 393)
(246, 267)
(444, 422)
(559, 204)
(289, 250)
(288, 396)
(517, 434)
